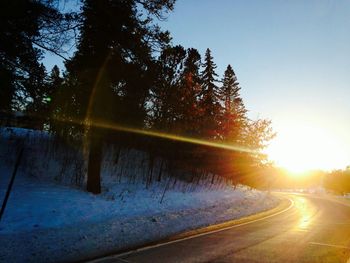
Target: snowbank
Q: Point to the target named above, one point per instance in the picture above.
(45, 222)
(49, 222)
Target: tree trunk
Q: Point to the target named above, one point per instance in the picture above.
(150, 170)
(94, 165)
(160, 171)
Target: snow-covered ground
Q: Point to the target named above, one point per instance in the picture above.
(311, 190)
(46, 221)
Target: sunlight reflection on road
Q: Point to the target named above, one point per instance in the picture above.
(305, 211)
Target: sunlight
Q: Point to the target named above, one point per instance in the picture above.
(111, 126)
(306, 215)
(302, 147)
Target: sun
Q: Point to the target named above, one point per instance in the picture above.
(301, 147)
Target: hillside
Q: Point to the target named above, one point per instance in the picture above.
(49, 216)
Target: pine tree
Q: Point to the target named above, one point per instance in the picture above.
(165, 92)
(209, 101)
(55, 80)
(40, 89)
(27, 29)
(35, 87)
(189, 93)
(234, 113)
(55, 85)
(113, 69)
(176, 93)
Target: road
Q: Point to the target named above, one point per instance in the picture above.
(313, 229)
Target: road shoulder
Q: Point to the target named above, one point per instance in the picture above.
(283, 205)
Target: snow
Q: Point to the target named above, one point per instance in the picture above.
(50, 221)
(310, 190)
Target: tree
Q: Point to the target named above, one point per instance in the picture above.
(164, 93)
(234, 113)
(189, 93)
(338, 181)
(54, 87)
(7, 89)
(110, 75)
(27, 29)
(175, 96)
(209, 101)
(35, 92)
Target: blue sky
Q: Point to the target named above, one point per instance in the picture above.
(292, 59)
(297, 51)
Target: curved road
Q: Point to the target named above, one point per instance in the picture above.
(314, 229)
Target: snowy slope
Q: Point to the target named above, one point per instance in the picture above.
(45, 222)
(49, 222)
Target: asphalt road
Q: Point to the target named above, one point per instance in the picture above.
(314, 229)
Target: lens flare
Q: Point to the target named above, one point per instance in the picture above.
(173, 137)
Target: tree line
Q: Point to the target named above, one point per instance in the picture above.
(338, 181)
(125, 73)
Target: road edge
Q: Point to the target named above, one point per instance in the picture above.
(281, 207)
(284, 205)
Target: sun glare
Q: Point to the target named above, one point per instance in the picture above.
(302, 147)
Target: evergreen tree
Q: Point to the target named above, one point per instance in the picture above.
(26, 29)
(55, 80)
(113, 69)
(35, 87)
(176, 93)
(189, 93)
(54, 84)
(234, 113)
(209, 101)
(165, 92)
(38, 92)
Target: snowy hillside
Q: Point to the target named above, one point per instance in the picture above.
(50, 218)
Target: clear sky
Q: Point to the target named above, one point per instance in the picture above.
(292, 59)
